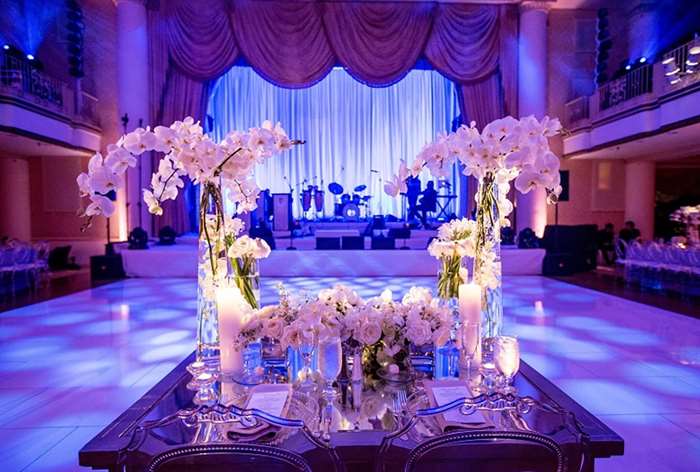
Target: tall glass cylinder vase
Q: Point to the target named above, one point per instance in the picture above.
(211, 270)
(487, 259)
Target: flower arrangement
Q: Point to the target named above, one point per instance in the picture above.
(224, 168)
(689, 217)
(454, 242)
(382, 327)
(506, 150)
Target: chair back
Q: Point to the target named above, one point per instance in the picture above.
(501, 451)
(530, 435)
(214, 438)
(229, 457)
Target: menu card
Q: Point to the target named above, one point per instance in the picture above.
(444, 392)
(272, 399)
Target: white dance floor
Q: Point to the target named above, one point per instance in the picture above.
(69, 366)
(180, 260)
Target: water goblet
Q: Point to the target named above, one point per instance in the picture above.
(507, 359)
(330, 362)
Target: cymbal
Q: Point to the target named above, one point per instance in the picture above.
(335, 188)
(360, 188)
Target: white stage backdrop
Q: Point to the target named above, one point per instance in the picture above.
(349, 128)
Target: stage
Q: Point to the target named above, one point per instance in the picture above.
(180, 260)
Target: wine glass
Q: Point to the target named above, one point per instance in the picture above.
(507, 359)
(469, 342)
(330, 355)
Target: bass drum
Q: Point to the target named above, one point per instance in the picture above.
(351, 212)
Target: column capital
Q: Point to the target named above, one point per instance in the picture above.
(536, 5)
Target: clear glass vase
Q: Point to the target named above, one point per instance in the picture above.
(487, 259)
(449, 278)
(247, 279)
(211, 270)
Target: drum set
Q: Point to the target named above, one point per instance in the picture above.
(353, 206)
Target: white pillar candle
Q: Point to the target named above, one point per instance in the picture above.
(470, 303)
(231, 308)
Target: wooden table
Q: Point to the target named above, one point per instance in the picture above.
(107, 450)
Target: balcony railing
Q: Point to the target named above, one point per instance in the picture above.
(633, 84)
(20, 79)
(576, 110)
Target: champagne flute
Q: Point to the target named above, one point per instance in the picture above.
(507, 360)
(306, 349)
(330, 355)
(469, 340)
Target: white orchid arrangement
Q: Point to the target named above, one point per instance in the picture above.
(506, 150)
(455, 241)
(224, 168)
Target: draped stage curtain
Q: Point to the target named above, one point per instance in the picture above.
(350, 129)
(295, 44)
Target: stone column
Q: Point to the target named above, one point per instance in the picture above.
(15, 198)
(640, 196)
(531, 210)
(132, 75)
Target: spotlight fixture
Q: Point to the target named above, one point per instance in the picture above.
(628, 67)
(30, 57)
(642, 60)
(6, 47)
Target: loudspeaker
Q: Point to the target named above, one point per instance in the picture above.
(106, 267)
(380, 242)
(353, 242)
(281, 211)
(327, 243)
(564, 177)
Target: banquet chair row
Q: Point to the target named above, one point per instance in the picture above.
(661, 267)
(405, 449)
(29, 261)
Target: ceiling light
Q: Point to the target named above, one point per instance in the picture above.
(668, 60)
(690, 62)
(30, 57)
(628, 67)
(642, 60)
(6, 47)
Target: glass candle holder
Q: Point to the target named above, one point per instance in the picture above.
(330, 355)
